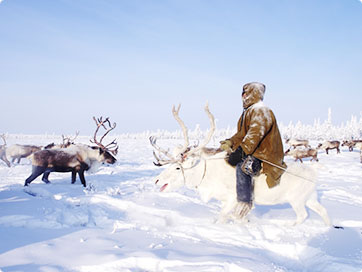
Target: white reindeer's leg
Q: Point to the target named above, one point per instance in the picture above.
(314, 205)
(300, 211)
(226, 208)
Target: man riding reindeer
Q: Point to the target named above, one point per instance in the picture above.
(255, 147)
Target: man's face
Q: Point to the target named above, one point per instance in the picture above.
(244, 96)
(252, 93)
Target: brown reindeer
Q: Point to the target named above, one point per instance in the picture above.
(76, 158)
(327, 145)
(3, 151)
(295, 142)
(299, 154)
(351, 144)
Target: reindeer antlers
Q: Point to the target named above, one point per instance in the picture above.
(68, 140)
(209, 135)
(186, 150)
(102, 123)
(183, 127)
(160, 161)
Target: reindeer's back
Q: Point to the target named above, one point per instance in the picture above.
(52, 157)
(297, 183)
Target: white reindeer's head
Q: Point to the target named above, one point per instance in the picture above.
(185, 166)
(188, 173)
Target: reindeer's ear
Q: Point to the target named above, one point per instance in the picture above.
(101, 151)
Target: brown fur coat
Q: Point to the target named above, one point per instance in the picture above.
(258, 135)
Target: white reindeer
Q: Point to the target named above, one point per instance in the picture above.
(206, 170)
(17, 151)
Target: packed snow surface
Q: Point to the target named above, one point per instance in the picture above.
(122, 222)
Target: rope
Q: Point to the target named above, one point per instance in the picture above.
(268, 162)
(275, 165)
(184, 177)
(285, 170)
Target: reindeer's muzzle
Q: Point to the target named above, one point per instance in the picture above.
(163, 186)
(111, 160)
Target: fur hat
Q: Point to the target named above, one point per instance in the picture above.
(254, 93)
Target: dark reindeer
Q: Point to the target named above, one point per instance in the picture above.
(76, 158)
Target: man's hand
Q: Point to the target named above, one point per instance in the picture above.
(226, 145)
(237, 156)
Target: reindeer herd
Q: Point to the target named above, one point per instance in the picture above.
(65, 157)
(77, 158)
(300, 149)
(203, 169)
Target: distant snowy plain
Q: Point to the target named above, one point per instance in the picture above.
(121, 222)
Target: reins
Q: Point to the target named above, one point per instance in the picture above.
(272, 164)
(285, 170)
(203, 175)
(268, 162)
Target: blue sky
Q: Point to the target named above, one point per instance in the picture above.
(62, 62)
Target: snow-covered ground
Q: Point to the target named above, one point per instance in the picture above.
(121, 222)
